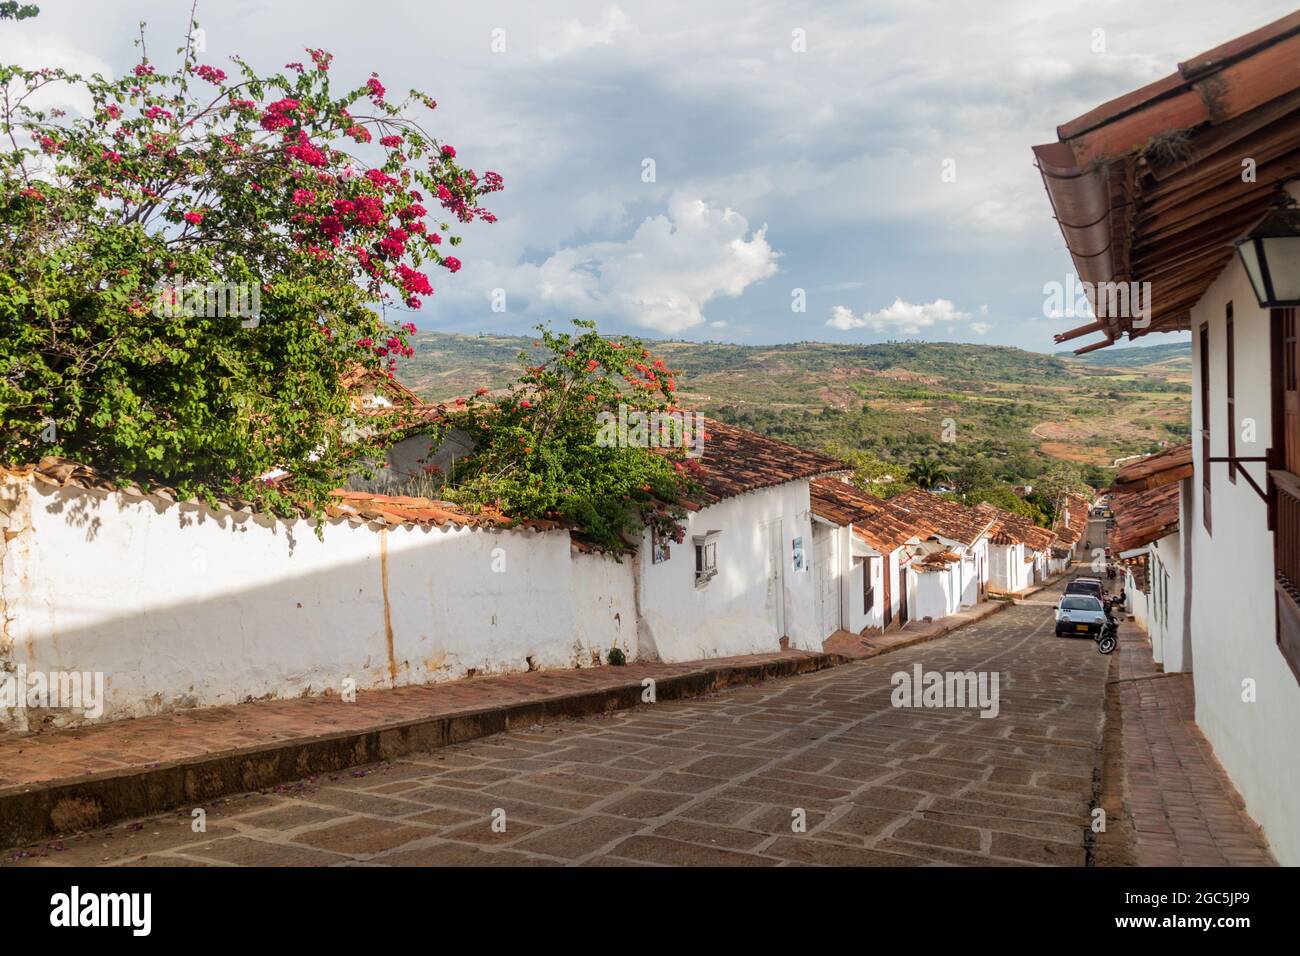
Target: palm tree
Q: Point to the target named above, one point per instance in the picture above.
(926, 473)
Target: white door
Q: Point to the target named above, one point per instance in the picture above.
(776, 575)
(827, 579)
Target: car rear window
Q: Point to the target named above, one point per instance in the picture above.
(1080, 602)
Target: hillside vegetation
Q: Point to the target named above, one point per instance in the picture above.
(898, 401)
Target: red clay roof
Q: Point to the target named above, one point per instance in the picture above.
(883, 527)
(948, 518)
(1143, 516)
(1148, 187)
(737, 461)
(1011, 528)
(1171, 465)
(354, 506)
(1071, 519)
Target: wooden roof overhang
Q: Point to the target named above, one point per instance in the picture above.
(1149, 187)
(1169, 466)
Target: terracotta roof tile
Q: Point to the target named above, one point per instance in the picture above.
(1011, 528)
(948, 518)
(873, 519)
(1148, 187)
(1172, 464)
(354, 506)
(737, 461)
(1144, 516)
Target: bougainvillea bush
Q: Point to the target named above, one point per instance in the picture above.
(334, 207)
(538, 451)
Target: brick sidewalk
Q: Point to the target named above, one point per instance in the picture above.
(1168, 800)
(85, 777)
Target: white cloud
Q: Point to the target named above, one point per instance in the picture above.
(662, 277)
(907, 318)
(980, 328)
(575, 35)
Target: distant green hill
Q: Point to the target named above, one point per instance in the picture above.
(1169, 354)
(897, 400)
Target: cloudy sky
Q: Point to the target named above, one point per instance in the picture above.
(702, 169)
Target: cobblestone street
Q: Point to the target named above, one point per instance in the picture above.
(818, 769)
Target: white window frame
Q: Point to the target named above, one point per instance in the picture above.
(706, 557)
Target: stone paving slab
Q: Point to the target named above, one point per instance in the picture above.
(817, 769)
(66, 780)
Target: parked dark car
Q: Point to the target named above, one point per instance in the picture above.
(1090, 586)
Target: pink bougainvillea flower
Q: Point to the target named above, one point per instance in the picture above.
(452, 263)
(210, 73)
(193, 217)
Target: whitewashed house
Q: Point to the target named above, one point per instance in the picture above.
(742, 580)
(183, 604)
(1152, 191)
(953, 566)
(1148, 499)
(1019, 550)
(865, 575)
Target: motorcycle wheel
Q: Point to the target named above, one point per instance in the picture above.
(1106, 644)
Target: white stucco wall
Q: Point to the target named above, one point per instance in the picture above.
(880, 565)
(1233, 615)
(738, 611)
(1165, 610)
(969, 571)
(1007, 562)
(936, 593)
(177, 606)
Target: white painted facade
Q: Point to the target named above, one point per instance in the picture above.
(1008, 570)
(972, 560)
(179, 606)
(1233, 618)
(757, 596)
(1164, 617)
(861, 620)
(938, 592)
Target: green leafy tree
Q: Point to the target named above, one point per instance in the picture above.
(872, 474)
(974, 473)
(309, 207)
(926, 473)
(1003, 497)
(12, 10)
(1060, 479)
(549, 446)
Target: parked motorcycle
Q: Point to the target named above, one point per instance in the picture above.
(1108, 637)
